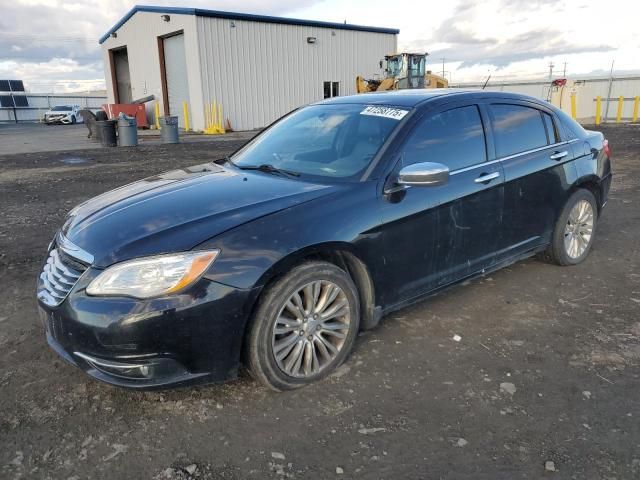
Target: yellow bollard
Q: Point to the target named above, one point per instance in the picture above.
(185, 114)
(157, 115)
(598, 109)
(573, 106)
(636, 102)
(213, 116)
(620, 104)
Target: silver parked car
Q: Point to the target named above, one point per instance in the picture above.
(65, 114)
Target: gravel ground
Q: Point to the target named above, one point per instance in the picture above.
(542, 383)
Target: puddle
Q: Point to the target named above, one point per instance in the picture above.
(73, 160)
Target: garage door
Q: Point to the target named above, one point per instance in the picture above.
(175, 65)
(123, 79)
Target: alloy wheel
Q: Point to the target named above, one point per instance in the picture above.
(311, 329)
(579, 229)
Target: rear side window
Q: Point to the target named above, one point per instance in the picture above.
(454, 138)
(551, 130)
(572, 128)
(517, 129)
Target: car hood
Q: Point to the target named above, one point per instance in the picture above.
(178, 210)
(58, 112)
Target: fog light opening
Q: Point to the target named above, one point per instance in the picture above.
(132, 371)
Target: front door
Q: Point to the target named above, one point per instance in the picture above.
(436, 235)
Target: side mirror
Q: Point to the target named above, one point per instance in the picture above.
(424, 174)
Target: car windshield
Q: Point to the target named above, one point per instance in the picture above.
(61, 108)
(337, 141)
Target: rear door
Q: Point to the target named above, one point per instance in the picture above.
(436, 235)
(538, 173)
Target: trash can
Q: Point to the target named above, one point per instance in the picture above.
(169, 129)
(127, 131)
(107, 133)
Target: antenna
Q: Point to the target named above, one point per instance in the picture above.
(486, 81)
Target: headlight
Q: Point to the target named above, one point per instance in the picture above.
(152, 276)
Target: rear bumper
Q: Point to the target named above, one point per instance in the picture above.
(193, 337)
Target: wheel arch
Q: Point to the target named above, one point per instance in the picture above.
(345, 256)
(591, 183)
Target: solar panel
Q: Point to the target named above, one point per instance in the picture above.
(4, 86)
(21, 100)
(16, 85)
(6, 101)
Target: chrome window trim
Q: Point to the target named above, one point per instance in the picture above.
(473, 167)
(71, 249)
(510, 157)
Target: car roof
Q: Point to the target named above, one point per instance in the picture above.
(413, 98)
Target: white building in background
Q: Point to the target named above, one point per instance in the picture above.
(257, 67)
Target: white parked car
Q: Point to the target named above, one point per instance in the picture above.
(65, 114)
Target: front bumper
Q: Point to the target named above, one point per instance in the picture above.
(192, 337)
(64, 119)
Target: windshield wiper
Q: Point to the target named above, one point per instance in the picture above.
(268, 168)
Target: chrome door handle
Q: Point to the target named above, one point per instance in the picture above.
(558, 155)
(487, 177)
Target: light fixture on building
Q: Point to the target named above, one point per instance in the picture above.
(232, 24)
(114, 34)
(166, 18)
(311, 39)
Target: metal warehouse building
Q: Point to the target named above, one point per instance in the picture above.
(257, 67)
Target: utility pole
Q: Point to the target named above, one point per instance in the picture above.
(443, 68)
(606, 109)
(551, 65)
(564, 70)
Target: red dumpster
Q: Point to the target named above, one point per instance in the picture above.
(129, 109)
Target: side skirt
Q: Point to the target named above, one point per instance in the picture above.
(502, 264)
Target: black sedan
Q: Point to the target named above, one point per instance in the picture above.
(337, 214)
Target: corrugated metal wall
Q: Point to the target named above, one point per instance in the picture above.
(260, 71)
(257, 71)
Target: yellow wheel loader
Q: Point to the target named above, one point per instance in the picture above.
(402, 71)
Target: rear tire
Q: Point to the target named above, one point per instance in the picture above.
(574, 231)
(304, 326)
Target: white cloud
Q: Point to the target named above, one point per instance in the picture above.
(55, 41)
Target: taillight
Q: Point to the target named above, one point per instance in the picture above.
(606, 148)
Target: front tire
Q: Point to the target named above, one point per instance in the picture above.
(574, 231)
(73, 120)
(304, 326)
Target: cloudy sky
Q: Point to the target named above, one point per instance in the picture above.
(53, 44)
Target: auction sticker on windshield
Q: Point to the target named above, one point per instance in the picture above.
(386, 112)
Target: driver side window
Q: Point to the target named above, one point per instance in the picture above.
(454, 138)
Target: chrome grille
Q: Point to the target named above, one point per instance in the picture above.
(59, 275)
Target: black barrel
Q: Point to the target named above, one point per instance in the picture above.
(107, 133)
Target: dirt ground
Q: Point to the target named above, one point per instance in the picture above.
(546, 370)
